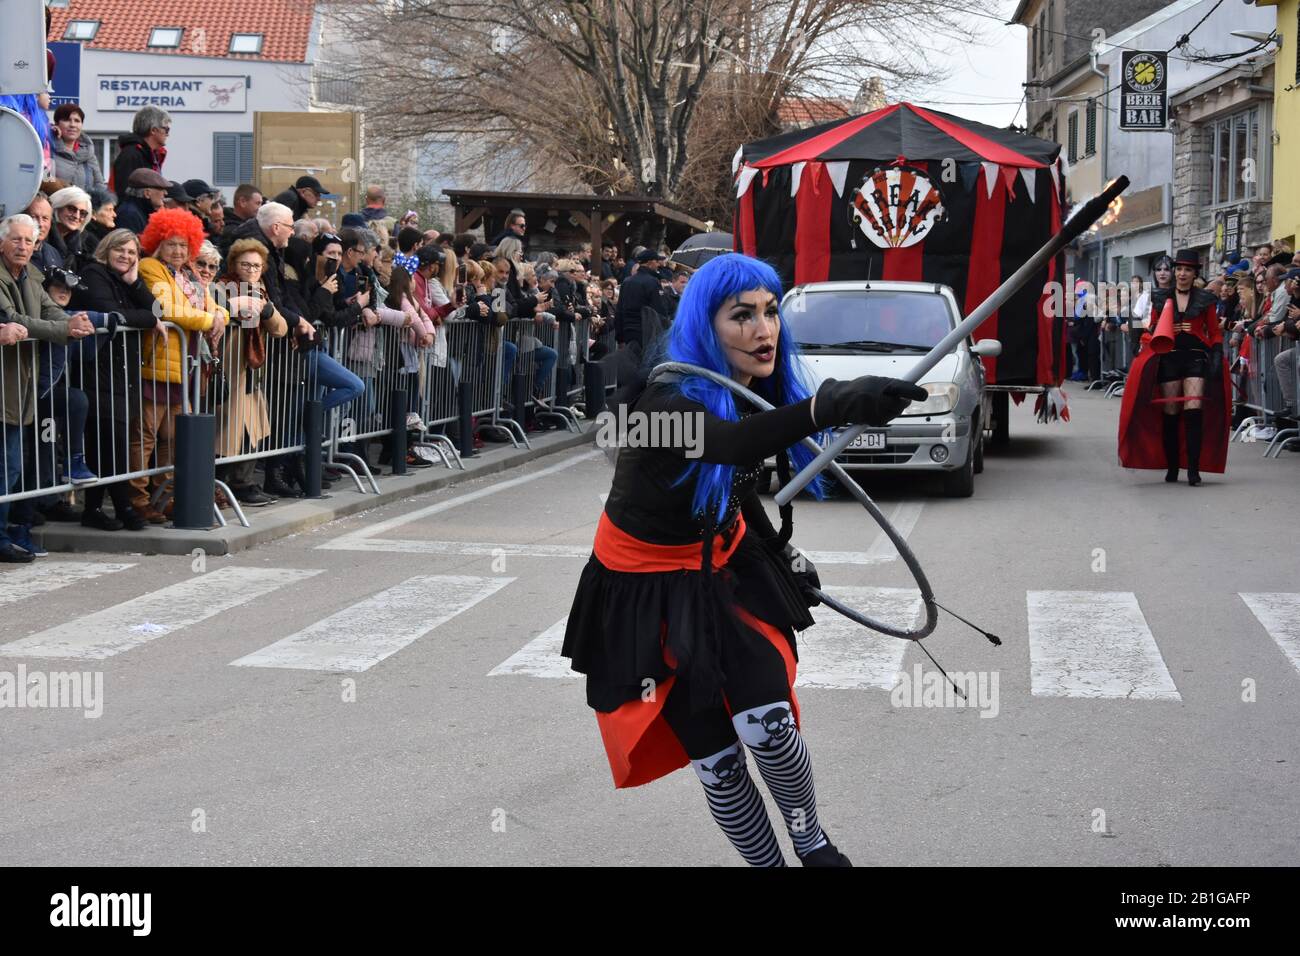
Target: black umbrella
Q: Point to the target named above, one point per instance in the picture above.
(702, 247)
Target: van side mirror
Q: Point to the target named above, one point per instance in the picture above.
(987, 348)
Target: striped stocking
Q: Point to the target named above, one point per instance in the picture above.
(782, 758)
(737, 807)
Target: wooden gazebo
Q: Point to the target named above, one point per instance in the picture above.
(576, 218)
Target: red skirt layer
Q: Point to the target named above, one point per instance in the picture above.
(639, 743)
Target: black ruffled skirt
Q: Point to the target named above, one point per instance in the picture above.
(627, 626)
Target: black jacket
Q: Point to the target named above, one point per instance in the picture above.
(134, 214)
(102, 290)
(283, 294)
(295, 202)
(94, 234)
(507, 234)
(133, 153)
(641, 291)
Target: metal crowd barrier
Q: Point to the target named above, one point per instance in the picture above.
(1262, 392)
(1116, 357)
(374, 355)
(475, 360)
(548, 405)
(128, 420)
(437, 405)
(258, 411)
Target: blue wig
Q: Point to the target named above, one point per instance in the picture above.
(692, 339)
(27, 106)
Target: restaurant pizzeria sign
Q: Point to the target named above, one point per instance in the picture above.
(176, 94)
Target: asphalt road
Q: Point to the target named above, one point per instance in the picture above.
(330, 698)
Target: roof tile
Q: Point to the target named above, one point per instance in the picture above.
(126, 25)
(800, 111)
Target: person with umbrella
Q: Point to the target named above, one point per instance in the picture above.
(702, 247)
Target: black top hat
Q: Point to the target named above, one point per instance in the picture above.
(1188, 257)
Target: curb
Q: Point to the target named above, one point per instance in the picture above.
(296, 516)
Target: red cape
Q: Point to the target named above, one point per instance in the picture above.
(1140, 426)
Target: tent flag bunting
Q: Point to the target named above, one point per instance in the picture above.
(913, 194)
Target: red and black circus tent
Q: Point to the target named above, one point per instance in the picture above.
(906, 193)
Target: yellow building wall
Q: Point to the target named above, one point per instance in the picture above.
(1286, 122)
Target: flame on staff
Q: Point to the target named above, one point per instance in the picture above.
(1112, 211)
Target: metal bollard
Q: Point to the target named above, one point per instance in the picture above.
(397, 424)
(196, 471)
(465, 413)
(593, 374)
(563, 382)
(312, 424)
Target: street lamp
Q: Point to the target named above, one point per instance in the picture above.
(1256, 37)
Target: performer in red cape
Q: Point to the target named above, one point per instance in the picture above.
(1178, 387)
(685, 614)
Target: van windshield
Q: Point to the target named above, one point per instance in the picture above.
(874, 321)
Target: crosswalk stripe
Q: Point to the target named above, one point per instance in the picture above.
(836, 653)
(360, 636)
(127, 625)
(903, 519)
(576, 551)
(1094, 644)
(1280, 616)
(540, 657)
(347, 541)
(466, 548)
(840, 654)
(45, 576)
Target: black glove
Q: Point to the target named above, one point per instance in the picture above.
(869, 400)
(804, 571)
(1216, 362)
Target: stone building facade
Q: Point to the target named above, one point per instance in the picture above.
(1223, 159)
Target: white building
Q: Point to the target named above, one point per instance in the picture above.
(212, 66)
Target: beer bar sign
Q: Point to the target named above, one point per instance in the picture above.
(1144, 90)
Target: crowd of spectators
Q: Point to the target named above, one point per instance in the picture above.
(1259, 302)
(159, 276)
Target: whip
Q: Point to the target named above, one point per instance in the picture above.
(825, 459)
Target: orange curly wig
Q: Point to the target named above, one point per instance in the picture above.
(166, 223)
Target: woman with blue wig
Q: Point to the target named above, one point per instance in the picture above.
(685, 614)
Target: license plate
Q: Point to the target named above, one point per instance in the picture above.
(868, 441)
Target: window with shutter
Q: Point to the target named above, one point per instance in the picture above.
(1072, 134)
(232, 158)
(224, 159)
(1090, 134)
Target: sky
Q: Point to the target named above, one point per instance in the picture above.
(985, 71)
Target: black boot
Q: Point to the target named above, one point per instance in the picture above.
(275, 483)
(293, 473)
(825, 855)
(1193, 421)
(1171, 447)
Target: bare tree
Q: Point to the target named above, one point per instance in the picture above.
(643, 96)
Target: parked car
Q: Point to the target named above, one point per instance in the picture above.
(848, 329)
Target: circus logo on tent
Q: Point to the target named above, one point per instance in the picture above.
(897, 206)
